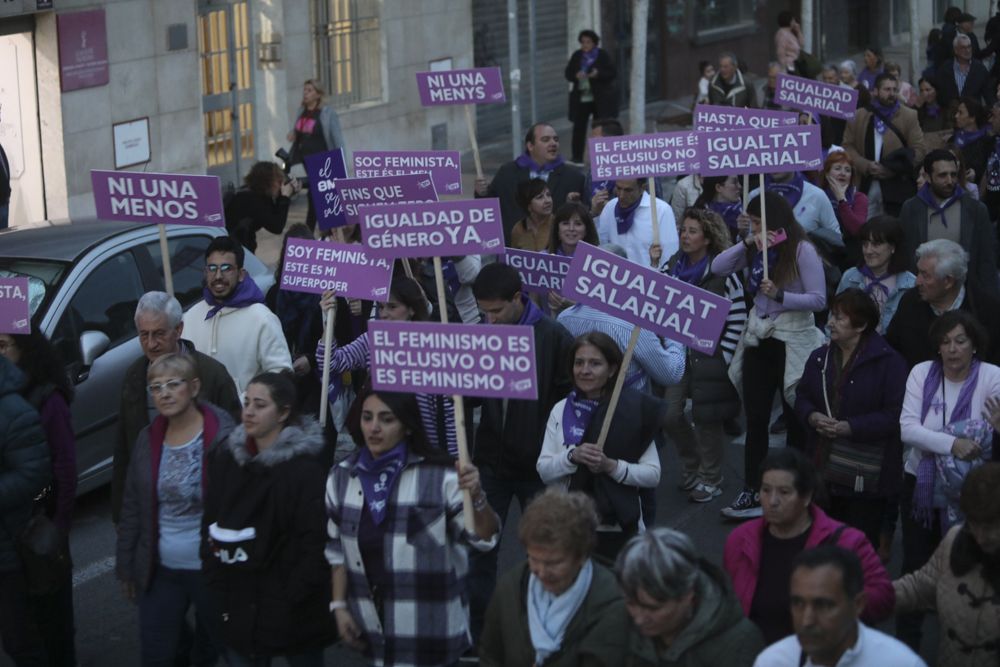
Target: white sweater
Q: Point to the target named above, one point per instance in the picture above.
(637, 239)
(927, 436)
(247, 341)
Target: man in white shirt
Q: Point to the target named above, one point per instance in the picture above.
(827, 598)
(628, 221)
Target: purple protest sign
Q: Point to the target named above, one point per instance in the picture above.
(323, 169)
(346, 268)
(647, 298)
(827, 99)
(642, 155)
(171, 199)
(381, 190)
(540, 271)
(445, 167)
(709, 118)
(15, 314)
(489, 360)
(481, 85)
(441, 229)
(760, 151)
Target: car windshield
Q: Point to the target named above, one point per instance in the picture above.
(42, 277)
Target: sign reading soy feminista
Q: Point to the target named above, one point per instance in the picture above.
(760, 151)
(540, 271)
(445, 167)
(644, 155)
(323, 169)
(441, 229)
(481, 85)
(15, 314)
(646, 298)
(827, 99)
(709, 118)
(405, 189)
(348, 269)
(489, 360)
(158, 199)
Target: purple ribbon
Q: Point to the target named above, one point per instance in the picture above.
(577, 414)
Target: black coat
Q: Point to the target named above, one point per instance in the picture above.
(976, 154)
(977, 86)
(602, 86)
(248, 212)
(563, 180)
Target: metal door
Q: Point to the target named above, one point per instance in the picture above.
(224, 48)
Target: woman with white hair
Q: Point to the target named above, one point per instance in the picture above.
(679, 607)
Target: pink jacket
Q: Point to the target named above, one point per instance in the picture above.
(742, 562)
(787, 47)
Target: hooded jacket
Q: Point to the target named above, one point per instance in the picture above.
(263, 534)
(24, 462)
(717, 634)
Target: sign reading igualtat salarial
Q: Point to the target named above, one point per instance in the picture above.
(439, 229)
(643, 155)
(480, 85)
(647, 298)
(827, 99)
(489, 360)
(797, 148)
(15, 312)
(346, 268)
(158, 199)
(540, 271)
(709, 118)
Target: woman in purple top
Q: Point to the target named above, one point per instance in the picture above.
(49, 391)
(780, 331)
(872, 68)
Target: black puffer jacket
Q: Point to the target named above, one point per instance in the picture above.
(24, 462)
(264, 531)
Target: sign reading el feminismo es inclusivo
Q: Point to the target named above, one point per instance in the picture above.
(348, 269)
(15, 313)
(440, 229)
(405, 189)
(827, 99)
(797, 148)
(445, 167)
(488, 360)
(644, 155)
(540, 272)
(660, 303)
(155, 199)
(481, 85)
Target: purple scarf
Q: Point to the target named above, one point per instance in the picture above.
(923, 493)
(875, 283)
(450, 275)
(791, 191)
(246, 294)
(932, 110)
(379, 476)
(692, 274)
(925, 194)
(524, 161)
(882, 111)
(965, 137)
(757, 269)
(729, 211)
(588, 59)
(625, 216)
(531, 314)
(577, 414)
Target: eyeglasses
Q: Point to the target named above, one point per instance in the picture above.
(168, 387)
(219, 268)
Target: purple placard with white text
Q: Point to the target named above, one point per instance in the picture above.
(168, 199)
(440, 229)
(826, 99)
(15, 313)
(643, 155)
(481, 85)
(346, 268)
(647, 298)
(488, 360)
(383, 190)
(797, 148)
(445, 167)
(540, 271)
(323, 169)
(710, 118)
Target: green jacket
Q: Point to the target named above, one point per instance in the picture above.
(506, 640)
(718, 634)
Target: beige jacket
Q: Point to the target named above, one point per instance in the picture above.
(905, 120)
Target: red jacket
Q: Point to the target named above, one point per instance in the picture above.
(742, 562)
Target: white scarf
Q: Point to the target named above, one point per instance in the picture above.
(549, 615)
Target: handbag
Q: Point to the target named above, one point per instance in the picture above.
(44, 552)
(847, 463)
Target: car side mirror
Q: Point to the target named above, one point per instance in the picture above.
(92, 345)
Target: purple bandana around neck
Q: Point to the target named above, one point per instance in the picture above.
(246, 294)
(577, 414)
(791, 191)
(692, 274)
(875, 283)
(882, 111)
(625, 216)
(588, 59)
(932, 110)
(378, 476)
(524, 161)
(757, 269)
(965, 137)
(531, 314)
(730, 212)
(938, 209)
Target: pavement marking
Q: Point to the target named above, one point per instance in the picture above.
(93, 571)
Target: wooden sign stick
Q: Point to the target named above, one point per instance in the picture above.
(168, 272)
(651, 187)
(472, 140)
(619, 383)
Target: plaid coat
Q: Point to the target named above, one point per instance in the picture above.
(425, 615)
